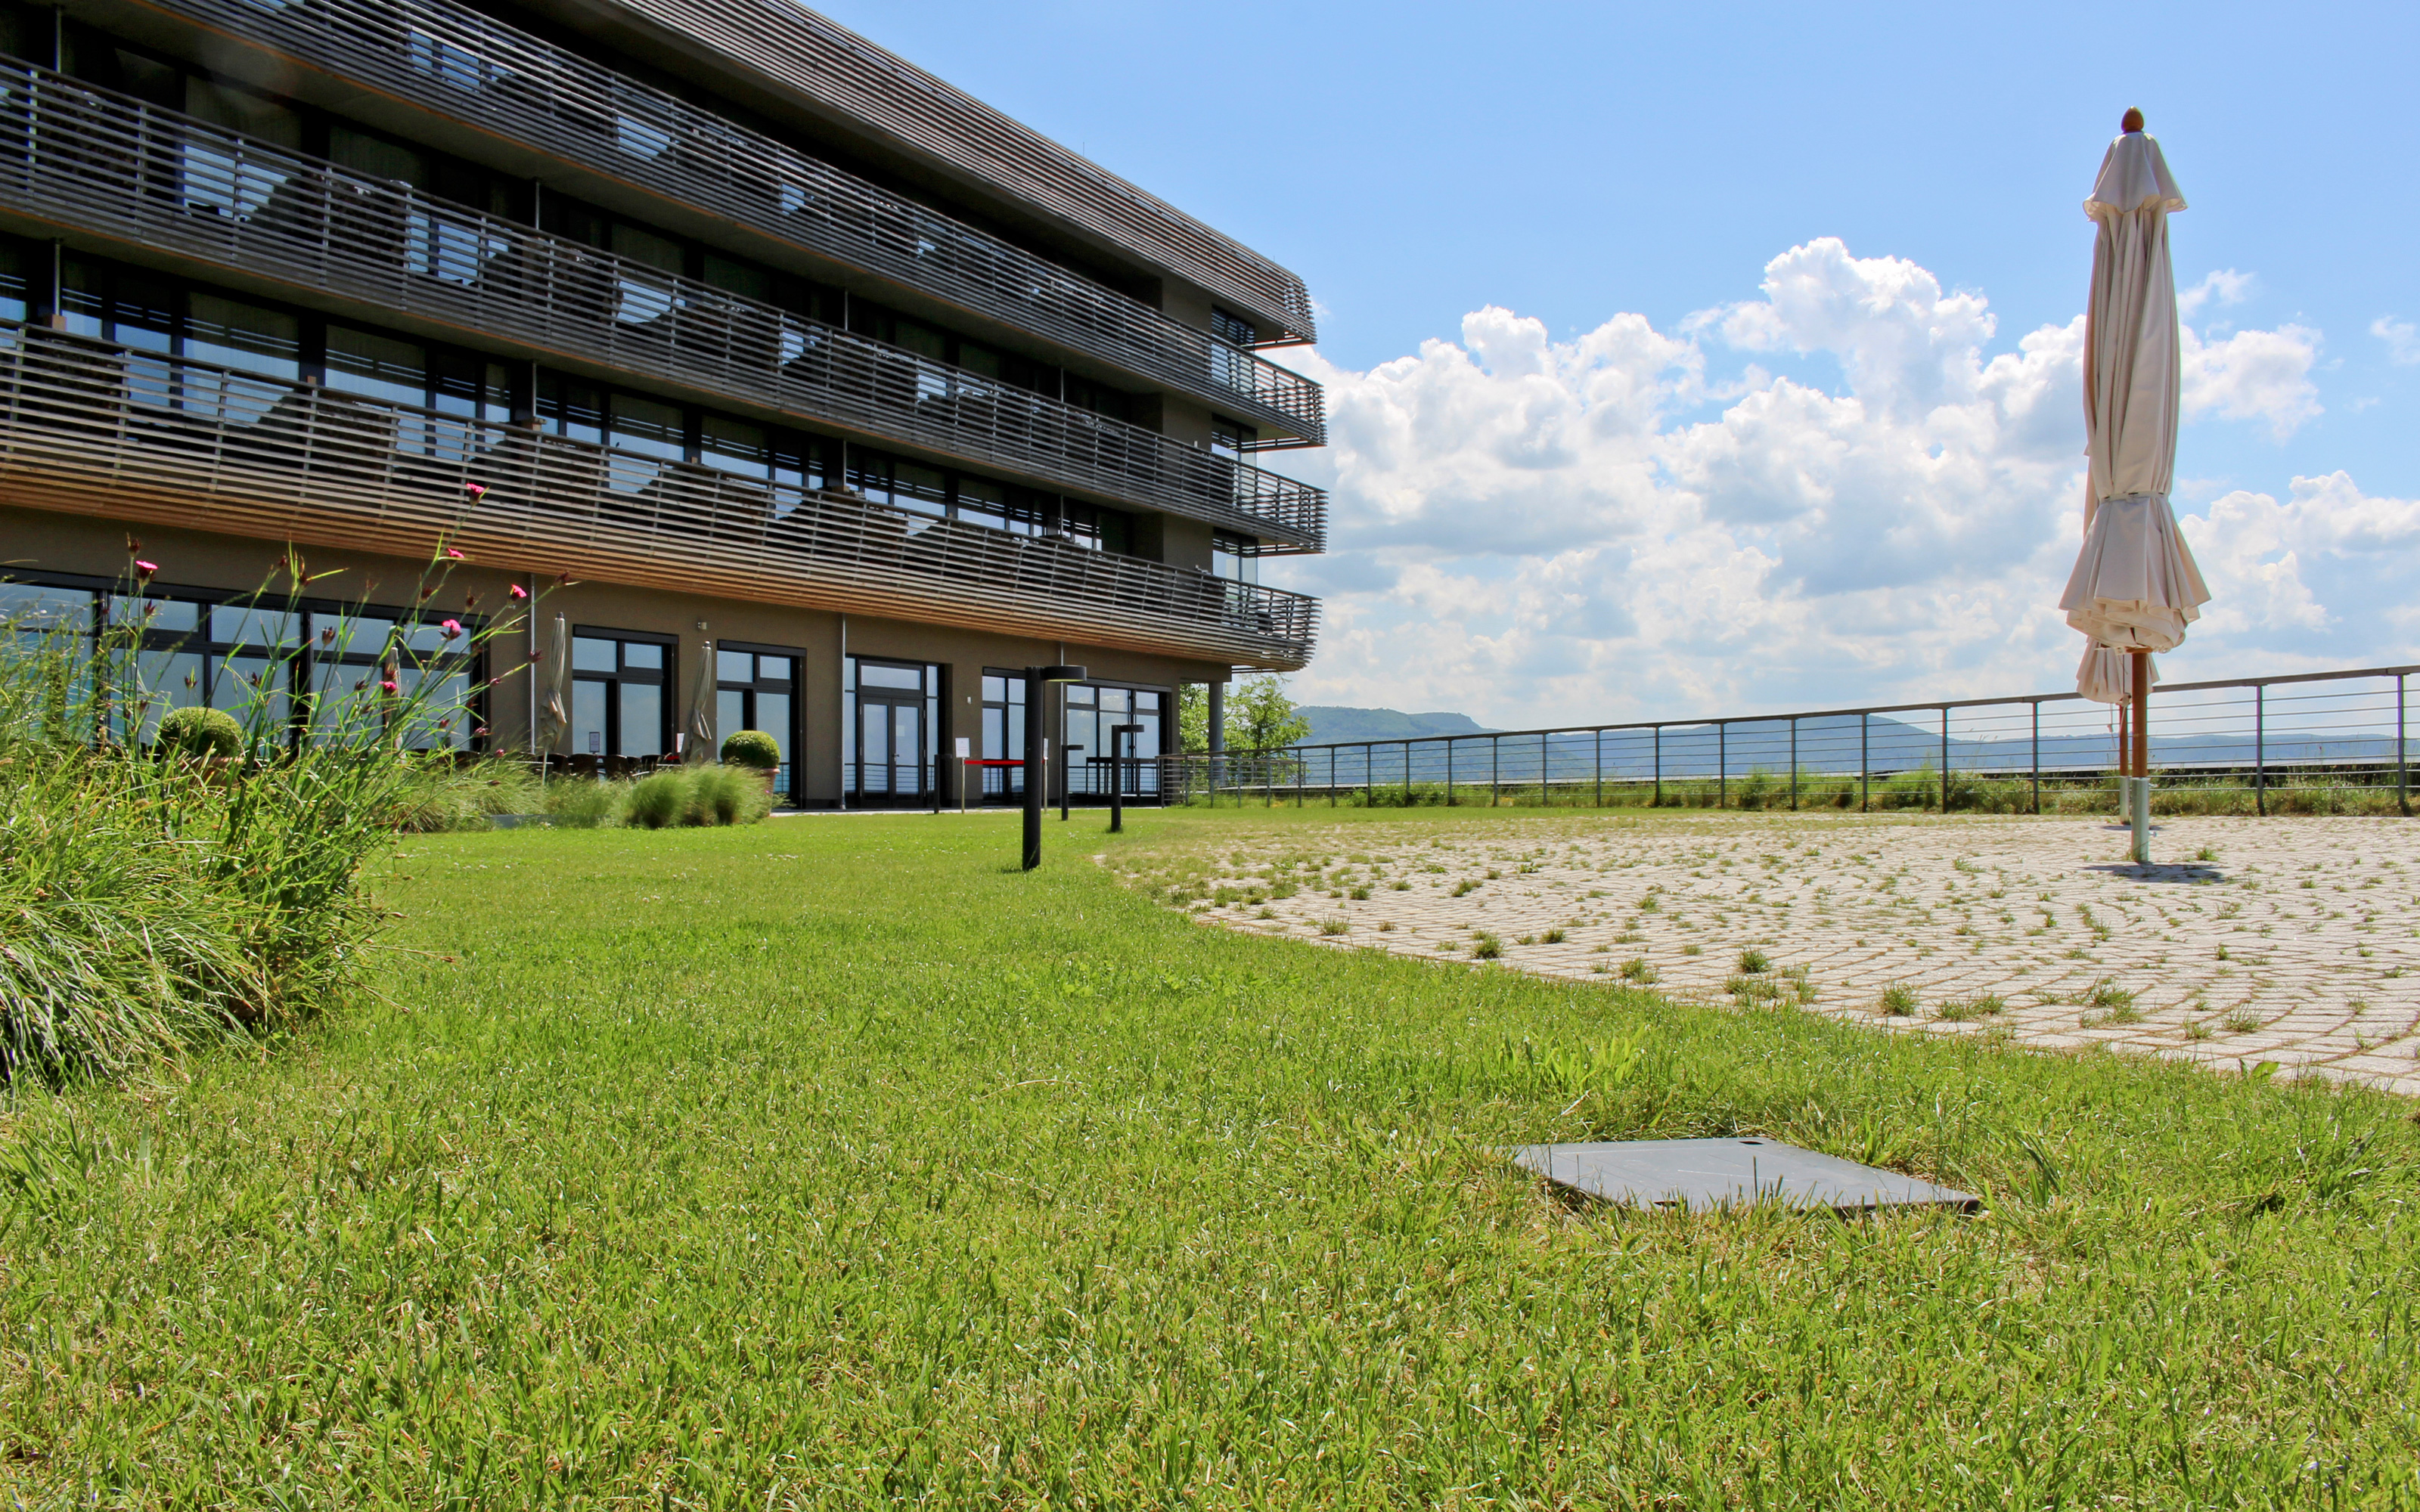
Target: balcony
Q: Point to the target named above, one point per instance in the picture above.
(74, 156)
(441, 57)
(88, 427)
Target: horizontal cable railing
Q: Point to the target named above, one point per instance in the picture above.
(2311, 742)
(106, 163)
(443, 57)
(92, 428)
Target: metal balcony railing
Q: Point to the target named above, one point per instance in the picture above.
(89, 428)
(2335, 742)
(72, 155)
(444, 57)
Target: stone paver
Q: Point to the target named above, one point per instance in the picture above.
(2291, 940)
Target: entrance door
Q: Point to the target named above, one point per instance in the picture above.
(890, 752)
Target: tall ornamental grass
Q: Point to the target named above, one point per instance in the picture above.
(157, 894)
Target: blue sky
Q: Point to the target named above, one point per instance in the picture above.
(1565, 166)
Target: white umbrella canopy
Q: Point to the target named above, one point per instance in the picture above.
(2136, 587)
(701, 709)
(2107, 675)
(553, 719)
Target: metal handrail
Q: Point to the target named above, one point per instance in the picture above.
(105, 162)
(90, 427)
(649, 145)
(2249, 740)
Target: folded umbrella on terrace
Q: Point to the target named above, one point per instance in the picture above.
(701, 709)
(2136, 587)
(555, 718)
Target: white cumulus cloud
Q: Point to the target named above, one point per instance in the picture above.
(1543, 531)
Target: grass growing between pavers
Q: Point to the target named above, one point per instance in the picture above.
(831, 1163)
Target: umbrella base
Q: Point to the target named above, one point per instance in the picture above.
(2138, 814)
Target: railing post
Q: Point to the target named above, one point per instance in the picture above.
(1793, 766)
(1331, 777)
(1865, 762)
(1722, 765)
(1599, 745)
(1407, 774)
(2037, 758)
(1545, 755)
(1944, 758)
(1494, 771)
(2402, 763)
(1449, 771)
(1659, 768)
(2260, 749)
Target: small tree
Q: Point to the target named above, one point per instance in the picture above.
(1193, 719)
(1260, 716)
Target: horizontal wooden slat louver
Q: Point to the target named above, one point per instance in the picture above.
(73, 157)
(446, 58)
(88, 427)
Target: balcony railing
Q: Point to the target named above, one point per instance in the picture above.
(89, 428)
(444, 57)
(101, 162)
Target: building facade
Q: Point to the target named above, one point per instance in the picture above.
(807, 394)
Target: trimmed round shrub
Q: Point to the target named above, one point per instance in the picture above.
(751, 747)
(199, 732)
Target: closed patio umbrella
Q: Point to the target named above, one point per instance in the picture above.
(555, 718)
(2136, 587)
(701, 709)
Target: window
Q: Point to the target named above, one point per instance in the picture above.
(890, 729)
(757, 690)
(1096, 528)
(1004, 732)
(1094, 709)
(16, 270)
(351, 654)
(1235, 558)
(1231, 439)
(1233, 329)
(379, 367)
(619, 693)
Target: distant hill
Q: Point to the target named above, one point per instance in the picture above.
(1330, 724)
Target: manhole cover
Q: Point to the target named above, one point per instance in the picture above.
(1701, 1174)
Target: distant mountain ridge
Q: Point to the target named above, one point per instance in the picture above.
(1331, 724)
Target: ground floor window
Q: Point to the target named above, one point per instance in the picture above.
(1004, 733)
(281, 668)
(891, 734)
(1094, 709)
(620, 686)
(756, 687)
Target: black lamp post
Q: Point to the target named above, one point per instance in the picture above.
(1121, 736)
(1036, 769)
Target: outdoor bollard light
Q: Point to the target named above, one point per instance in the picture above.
(1121, 740)
(1036, 766)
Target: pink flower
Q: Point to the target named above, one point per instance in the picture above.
(476, 490)
(519, 593)
(146, 568)
(451, 554)
(389, 685)
(481, 732)
(451, 628)
(537, 656)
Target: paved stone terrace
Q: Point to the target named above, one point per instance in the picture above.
(2288, 940)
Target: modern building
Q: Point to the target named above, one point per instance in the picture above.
(839, 397)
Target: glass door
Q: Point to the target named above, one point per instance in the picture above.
(889, 754)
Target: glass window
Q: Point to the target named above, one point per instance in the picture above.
(589, 655)
(922, 489)
(376, 366)
(1231, 439)
(637, 654)
(1233, 329)
(982, 501)
(649, 429)
(643, 719)
(742, 279)
(34, 608)
(734, 445)
(874, 675)
(173, 616)
(14, 260)
(618, 696)
(921, 339)
(375, 156)
(588, 716)
(645, 246)
(735, 667)
(242, 625)
(1233, 557)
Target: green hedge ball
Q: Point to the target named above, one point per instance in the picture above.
(199, 732)
(751, 747)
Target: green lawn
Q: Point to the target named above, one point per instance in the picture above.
(831, 1161)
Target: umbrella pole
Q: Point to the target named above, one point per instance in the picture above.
(2141, 688)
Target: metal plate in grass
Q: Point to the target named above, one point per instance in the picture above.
(1706, 1174)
